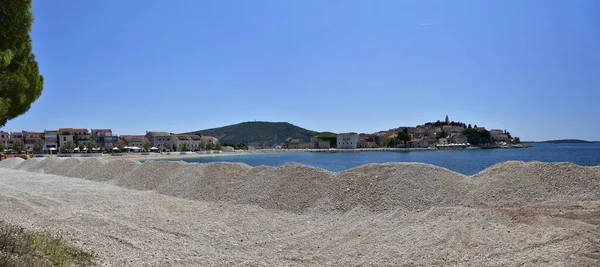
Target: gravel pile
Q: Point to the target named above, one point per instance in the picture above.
(11, 163)
(64, 166)
(150, 175)
(113, 170)
(532, 182)
(302, 189)
(86, 167)
(217, 181)
(404, 186)
(43, 166)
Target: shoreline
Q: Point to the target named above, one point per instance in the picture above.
(176, 155)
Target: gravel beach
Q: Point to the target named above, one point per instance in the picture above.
(230, 214)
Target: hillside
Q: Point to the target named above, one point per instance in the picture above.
(258, 133)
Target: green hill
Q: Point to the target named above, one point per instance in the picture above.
(258, 133)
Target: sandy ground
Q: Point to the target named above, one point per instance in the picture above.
(128, 227)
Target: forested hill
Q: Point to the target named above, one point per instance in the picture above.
(258, 133)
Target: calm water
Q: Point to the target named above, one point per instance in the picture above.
(463, 161)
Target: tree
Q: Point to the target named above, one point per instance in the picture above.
(475, 126)
(80, 145)
(469, 127)
(218, 146)
(18, 146)
(517, 140)
(20, 81)
(184, 147)
(69, 146)
(169, 146)
(90, 144)
(441, 134)
(403, 136)
(477, 137)
(210, 146)
(147, 145)
(2, 147)
(120, 145)
(38, 146)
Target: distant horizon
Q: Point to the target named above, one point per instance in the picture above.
(525, 66)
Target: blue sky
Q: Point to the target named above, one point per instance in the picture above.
(531, 67)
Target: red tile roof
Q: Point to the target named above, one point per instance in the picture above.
(73, 130)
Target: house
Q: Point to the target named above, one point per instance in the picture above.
(79, 136)
(160, 139)
(495, 132)
(51, 139)
(291, 143)
(227, 149)
(103, 138)
(134, 140)
(209, 139)
(457, 138)
(30, 142)
(418, 143)
(442, 142)
(367, 141)
(347, 140)
(192, 141)
(5, 139)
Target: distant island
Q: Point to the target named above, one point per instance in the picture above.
(563, 141)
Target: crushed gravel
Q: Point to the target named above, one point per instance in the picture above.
(11, 163)
(532, 182)
(126, 227)
(302, 189)
(115, 170)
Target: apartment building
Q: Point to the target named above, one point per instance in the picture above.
(159, 139)
(134, 140)
(78, 136)
(103, 138)
(193, 141)
(51, 139)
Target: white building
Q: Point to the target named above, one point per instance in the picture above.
(347, 141)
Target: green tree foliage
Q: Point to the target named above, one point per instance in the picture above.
(68, 146)
(210, 146)
(38, 146)
(331, 138)
(403, 136)
(18, 146)
(90, 144)
(2, 147)
(20, 81)
(169, 146)
(477, 137)
(185, 147)
(218, 146)
(120, 145)
(147, 145)
(441, 134)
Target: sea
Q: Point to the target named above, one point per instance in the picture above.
(467, 162)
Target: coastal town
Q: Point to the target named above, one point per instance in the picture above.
(433, 135)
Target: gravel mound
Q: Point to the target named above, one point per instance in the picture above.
(11, 163)
(301, 189)
(217, 181)
(86, 167)
(398, 186)
(43, 166)
(150, 175)
(531, 182)
(114, 170)
(63, 166)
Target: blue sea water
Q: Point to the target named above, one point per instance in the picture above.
(467, 162)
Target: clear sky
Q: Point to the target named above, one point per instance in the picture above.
(532, 67)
